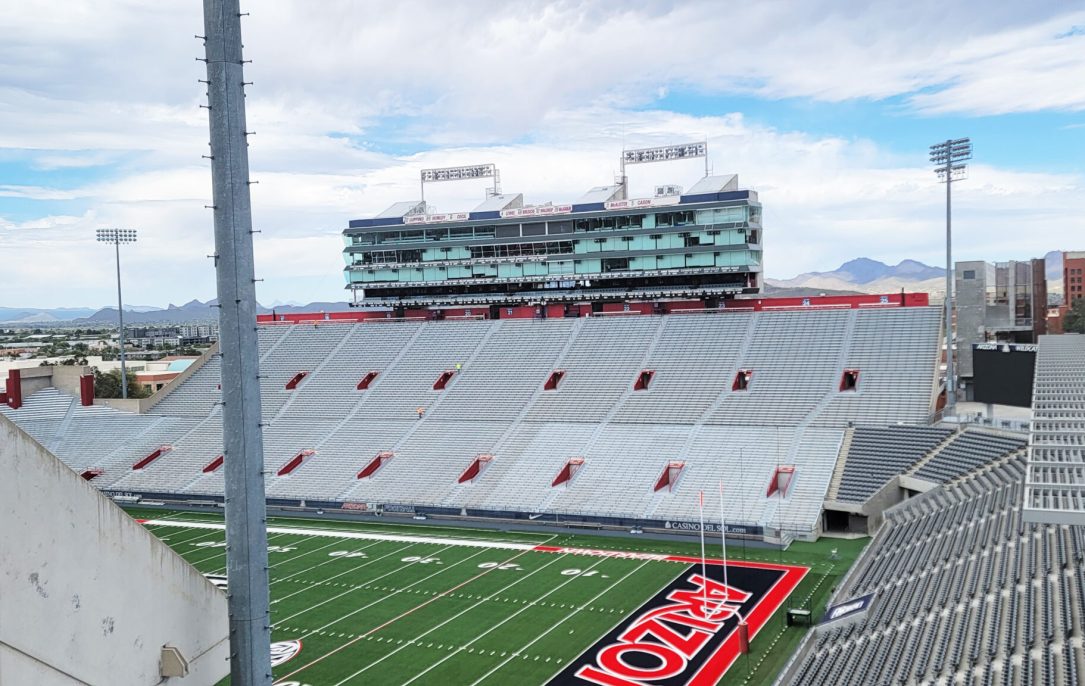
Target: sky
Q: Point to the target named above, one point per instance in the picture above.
(825, 108)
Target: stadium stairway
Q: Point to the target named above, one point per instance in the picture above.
(556, 493)
(838, 473)
(433, 407)
(699, 424)
(324, 362)
(499, 467)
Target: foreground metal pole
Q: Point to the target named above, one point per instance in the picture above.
(120, 323)
(246, 511)
(951, 379)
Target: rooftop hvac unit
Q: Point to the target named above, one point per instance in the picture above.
(668, 191)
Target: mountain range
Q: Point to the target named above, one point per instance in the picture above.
(864, 275)
(193, 311)
(861, 275)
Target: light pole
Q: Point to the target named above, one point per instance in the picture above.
(949, 159)
(116, 237)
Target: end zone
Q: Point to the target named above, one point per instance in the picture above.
(688, 632)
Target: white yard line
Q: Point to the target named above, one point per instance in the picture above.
(459, 650)
(361, 535)
(385, 597)
(329, 561)
(307, 552)
(309, 587)
(566, 618)
(221, 552)
(197, 536)
(375, 629)
(418, 526)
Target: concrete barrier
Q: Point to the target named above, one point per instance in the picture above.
(89, 595)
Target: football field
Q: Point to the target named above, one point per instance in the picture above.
(394, 603)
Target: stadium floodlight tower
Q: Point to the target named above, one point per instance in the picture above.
(116, 237)
(464, 173)
(246, 507)
(949, 160)
(664, 153)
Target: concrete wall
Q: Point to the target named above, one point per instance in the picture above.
(67, 378)
(34, 379)
(87, 595)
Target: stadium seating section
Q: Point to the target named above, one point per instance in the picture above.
(1055, 484)
(965, 592)
(877, 454)
(494, 402)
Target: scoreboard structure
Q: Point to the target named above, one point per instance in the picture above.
(1003, 373)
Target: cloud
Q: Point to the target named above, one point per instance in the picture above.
(351, 99)
(38, 193)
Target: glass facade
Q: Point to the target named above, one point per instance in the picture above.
(713, 245)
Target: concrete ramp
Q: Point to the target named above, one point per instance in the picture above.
(87, 595)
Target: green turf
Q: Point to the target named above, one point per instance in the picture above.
(396, 612)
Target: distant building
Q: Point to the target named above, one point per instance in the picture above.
(1055, 316)
(1073, 276)
(701, 243)
(182, 335)
(158, 373)
(1004, 303)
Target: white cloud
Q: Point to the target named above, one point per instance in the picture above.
(548, 91)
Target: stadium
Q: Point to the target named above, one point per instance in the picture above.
(562, 443)
(452, 496)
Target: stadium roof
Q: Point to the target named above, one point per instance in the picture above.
(505, 201)
(401, 209)
(600, 194)
(715, 184)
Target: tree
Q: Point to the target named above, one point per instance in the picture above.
(1074, 321)
(108, 385)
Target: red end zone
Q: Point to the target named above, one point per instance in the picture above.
(687, 633)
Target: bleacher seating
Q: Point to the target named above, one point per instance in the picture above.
(896, 353)
(966, 451)
(1055, 484)
(964, 592)
(494, 403)
(877, 454)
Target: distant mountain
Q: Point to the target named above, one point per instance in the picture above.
(30, 315)
(800, 291)
(194, 311)
(864, 270)
(864, 275)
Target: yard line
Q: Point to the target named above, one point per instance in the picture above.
(401, 616)
(309, 587)
(222, 552)
(538, 638)
(273, 565)
(192, 539)
(362, 535)
(321, 564)
(546, 537)
(458, 614)
(382, 598)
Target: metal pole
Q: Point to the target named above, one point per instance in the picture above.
(246, 508)
(951, 381)
(120, 317)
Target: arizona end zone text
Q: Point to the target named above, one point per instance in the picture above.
(687, 633)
